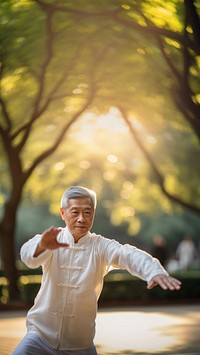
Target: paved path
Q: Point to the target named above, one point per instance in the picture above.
(136, 330)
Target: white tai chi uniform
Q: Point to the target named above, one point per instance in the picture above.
(64, 311)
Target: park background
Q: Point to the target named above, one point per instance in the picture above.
(104, 94)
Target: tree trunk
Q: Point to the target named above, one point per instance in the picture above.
(7, 241)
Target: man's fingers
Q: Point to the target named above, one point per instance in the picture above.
(173, 284)
(170, 283)
(53, 231)
(165, 282)
(152, 284)
(62, 245)
(50, 239)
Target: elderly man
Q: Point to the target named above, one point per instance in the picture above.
(74, 263)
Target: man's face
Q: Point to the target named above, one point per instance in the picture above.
(78, 216)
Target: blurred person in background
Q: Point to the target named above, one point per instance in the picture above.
(186, 253)
(74, 262)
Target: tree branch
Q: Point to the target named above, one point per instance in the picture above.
(49, 55)
(60, 137)
(98, 57)
(68, 69)
(51, 96)
(26, 128)
(184, 90)
(195, 124)
(5, 113)
(159, 177)
(168, 60)
(77, 12)
(193, 20)
(153, 30)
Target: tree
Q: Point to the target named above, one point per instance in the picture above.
(91, 56)
(29, 91)
(180, 48)
(183, 64)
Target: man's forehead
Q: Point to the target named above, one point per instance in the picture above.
(80, 202)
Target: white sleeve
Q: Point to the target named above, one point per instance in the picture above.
(140, 263)
(136, 261)
(27, 251)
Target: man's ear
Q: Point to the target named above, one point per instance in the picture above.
(62, 212)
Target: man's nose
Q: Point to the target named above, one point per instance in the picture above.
(81, 217)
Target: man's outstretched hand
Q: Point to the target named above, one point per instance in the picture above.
(49, 241)
(165, 282)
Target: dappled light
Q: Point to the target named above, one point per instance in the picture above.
(145, 331)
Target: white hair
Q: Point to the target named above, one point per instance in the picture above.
(77, 192)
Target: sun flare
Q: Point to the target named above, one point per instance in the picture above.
(92, 124)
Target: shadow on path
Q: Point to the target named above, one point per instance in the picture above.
(163, 330)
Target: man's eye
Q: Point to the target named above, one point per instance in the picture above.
(88, 213)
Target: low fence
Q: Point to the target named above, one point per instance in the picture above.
(119, 288)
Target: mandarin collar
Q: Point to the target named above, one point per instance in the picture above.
(81, 241)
